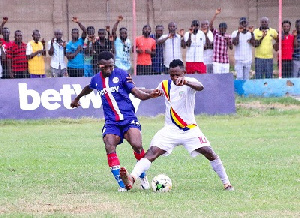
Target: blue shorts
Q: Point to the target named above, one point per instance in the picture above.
(121, 128)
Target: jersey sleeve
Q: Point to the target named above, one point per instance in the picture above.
(191, 79)
(29, 49)
(93, 82)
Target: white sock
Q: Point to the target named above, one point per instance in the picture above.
(218, 167)
(141, 166)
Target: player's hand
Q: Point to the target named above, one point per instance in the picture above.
(107, 28)
(156, 93)
(139, 51)
(191, 29)
(180, 81)
(111, 38)
(79, 48)
(181, 32)
(295, 32)
(120, 18)
(75, 103)
(265, 33)
(5, 19)
(64, 44)
(218, 11)
(251, 29)
(75, 19)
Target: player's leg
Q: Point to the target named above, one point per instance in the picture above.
(134, 137)
(216, 164)
(111, 138)
(196, 143)
(140, 167)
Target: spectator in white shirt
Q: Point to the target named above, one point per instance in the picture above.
(57, 51)
(208, 47)
(243, 40)
(172, 44)
(195, 41)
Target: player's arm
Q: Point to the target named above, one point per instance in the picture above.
(85, 91)
(147, 94)
(181, 81)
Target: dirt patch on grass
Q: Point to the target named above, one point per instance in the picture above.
(275, 106)
(71, 204)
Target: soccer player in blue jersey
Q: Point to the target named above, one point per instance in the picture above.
(120, 119)
(180, 127)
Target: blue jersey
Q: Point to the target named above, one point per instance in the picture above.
(114, 92)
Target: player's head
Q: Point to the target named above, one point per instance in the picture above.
(286, 26)
(222, 28)
(75, 34)
(243, 22)
(106, 63)
(101, 33)
(36, 35)
(176, 69)
(123, 33)
(146, 31)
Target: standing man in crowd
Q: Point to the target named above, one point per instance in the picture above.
(3, 57)
(296, 55)
(180, 127)
(35, 52)
(74, 51)
(89, 51)
(5, 43)
(145, 48)
(221, 44)
(120, 119)
(57, 51)
(208, 47)
(122, 47)
(102, 44)
(195, 41)
(264, 37)
(158, 66)
(172, 44)
(243, 40)
(287, 43)
(16, 55)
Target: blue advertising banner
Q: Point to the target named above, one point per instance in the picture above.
(51, 97)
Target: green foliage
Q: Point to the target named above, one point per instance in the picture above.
(59, 168)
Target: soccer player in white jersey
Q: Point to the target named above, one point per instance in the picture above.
(180, 127)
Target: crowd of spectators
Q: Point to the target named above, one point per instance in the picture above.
(206, 50)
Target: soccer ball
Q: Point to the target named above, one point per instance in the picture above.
(161, 183)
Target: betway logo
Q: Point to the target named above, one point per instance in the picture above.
(52, 99)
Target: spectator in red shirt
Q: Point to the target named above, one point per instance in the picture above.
(287, 49)
(6, 43)
(16, 55)
(145, 48)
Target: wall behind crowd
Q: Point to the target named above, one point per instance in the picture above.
(48, 15)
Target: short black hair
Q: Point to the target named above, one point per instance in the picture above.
(90, 28)
(223, 25)
(100, 30)
(75, 29)
(105, 55)
(159, 26)
(123, 28)
(286, 21)
(176, 63)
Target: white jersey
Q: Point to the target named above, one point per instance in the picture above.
(180, 104)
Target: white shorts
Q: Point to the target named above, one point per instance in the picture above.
(220, 68)
(168, 138)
